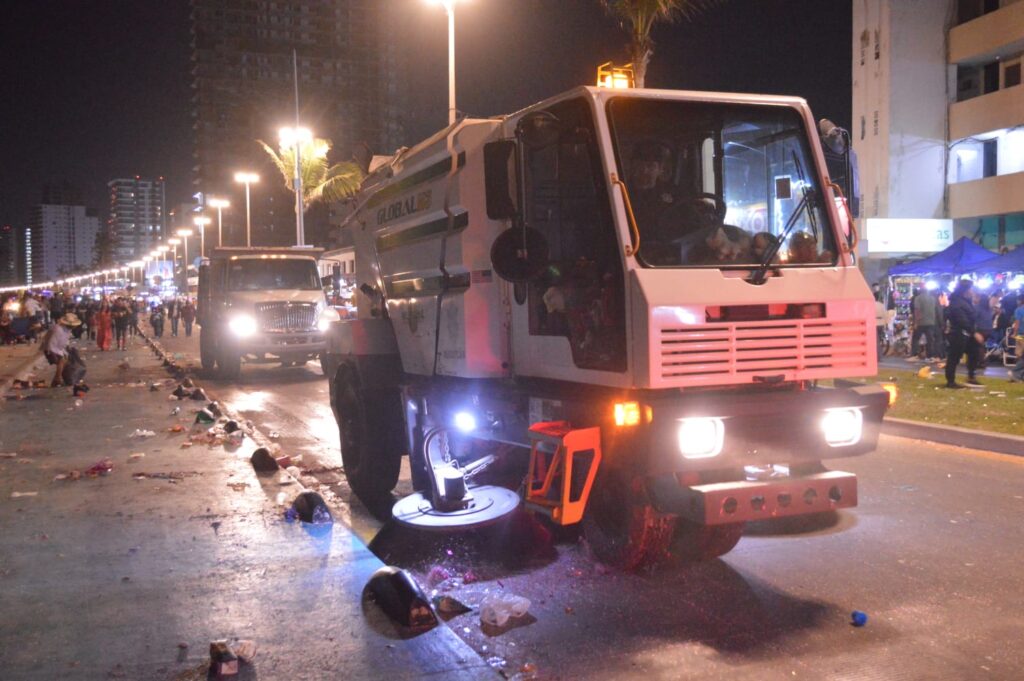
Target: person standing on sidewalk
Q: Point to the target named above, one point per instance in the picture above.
(104, 323)
(960, 333)
(121, 317)
(174, 314)
(926, 323)
(1017, 372)
(156, 320)
(133, 318)
(188, 315)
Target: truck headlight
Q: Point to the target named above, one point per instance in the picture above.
(242, 325)
(701, 437)
(842, 427)
(327, 315)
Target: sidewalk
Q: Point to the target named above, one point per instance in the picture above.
(117, 577)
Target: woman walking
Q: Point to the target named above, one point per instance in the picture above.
(103, 325)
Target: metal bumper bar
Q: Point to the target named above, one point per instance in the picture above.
(733, 502)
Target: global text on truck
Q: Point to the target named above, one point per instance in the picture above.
(638, 296)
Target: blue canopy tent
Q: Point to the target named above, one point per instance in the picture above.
(963, 257)
(1011, 262)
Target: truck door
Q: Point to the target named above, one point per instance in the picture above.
(572, 317)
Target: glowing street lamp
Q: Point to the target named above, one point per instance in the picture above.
(201, 222)
(219, 204)
(294, 138)
(247, 179)
(449, 7)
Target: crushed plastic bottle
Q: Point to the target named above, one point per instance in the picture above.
(497, 609)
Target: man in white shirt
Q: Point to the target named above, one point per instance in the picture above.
(53, 350)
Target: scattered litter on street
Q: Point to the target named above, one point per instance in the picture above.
(262, 461)
(497, 609)
(449, 607)
(101, 467)
(311, 508)
(396, 592)
(140, 433)
(16, 495)
(136, 456)
(858, 618)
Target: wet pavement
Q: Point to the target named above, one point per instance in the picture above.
(131, 574)
(931, 555)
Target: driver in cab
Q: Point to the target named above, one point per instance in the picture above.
(677, 231)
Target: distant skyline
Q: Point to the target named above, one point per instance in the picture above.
(100, 90)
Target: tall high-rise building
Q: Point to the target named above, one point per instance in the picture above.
(137, 217)
(61, 240)
(349, 80)
(9, 255)
(938, 124)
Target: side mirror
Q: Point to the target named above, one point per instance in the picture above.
(519, 254)
(500, 205)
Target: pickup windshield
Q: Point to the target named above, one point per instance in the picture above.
(273, 274)
(721, 185)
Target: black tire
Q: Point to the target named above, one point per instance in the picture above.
(207, 350)
(370, 427)
(695, 542)
(229, 359)
(620, 525)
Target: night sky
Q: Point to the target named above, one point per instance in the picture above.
(96, 89)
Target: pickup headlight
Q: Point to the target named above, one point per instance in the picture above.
(242, 325)
(327, 315)
(701, 437)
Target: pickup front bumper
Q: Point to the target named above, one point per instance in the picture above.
(279, 344)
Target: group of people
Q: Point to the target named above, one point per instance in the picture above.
(965, 324)
(178, 311)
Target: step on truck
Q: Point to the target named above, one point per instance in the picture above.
(646, 298)
(261, 305)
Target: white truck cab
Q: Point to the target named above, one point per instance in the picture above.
(261, 304)
(662, 274)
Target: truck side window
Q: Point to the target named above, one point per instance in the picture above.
(581, 295)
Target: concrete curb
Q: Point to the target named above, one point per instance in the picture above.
(952, 435)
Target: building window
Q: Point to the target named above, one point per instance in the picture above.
(990, 158)
(1011, 73)
(990, 77)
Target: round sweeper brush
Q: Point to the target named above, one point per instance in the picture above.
(486, 505)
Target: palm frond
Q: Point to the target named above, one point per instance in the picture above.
(342, 181)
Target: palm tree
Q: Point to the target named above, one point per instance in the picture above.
(321, 181)
(640, 16)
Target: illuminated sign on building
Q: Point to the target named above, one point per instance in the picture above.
(898, 235)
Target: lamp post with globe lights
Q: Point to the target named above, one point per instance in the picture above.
(184, 234)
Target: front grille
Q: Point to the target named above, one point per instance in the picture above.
(736, 353)
(285, 317)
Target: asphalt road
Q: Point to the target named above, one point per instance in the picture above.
(932, 555)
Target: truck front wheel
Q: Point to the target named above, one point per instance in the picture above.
(229, 360)
(622, 528)
(370, 427)
(207, 350)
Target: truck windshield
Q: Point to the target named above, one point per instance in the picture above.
(721, 185)
(252, 274)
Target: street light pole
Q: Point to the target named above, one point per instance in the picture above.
(294, 138)
(449, 7)
(247, 179)
(220, 205)
(201, 222)
(185, 234)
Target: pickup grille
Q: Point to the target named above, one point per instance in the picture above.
(285, 317)
(718, 353)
